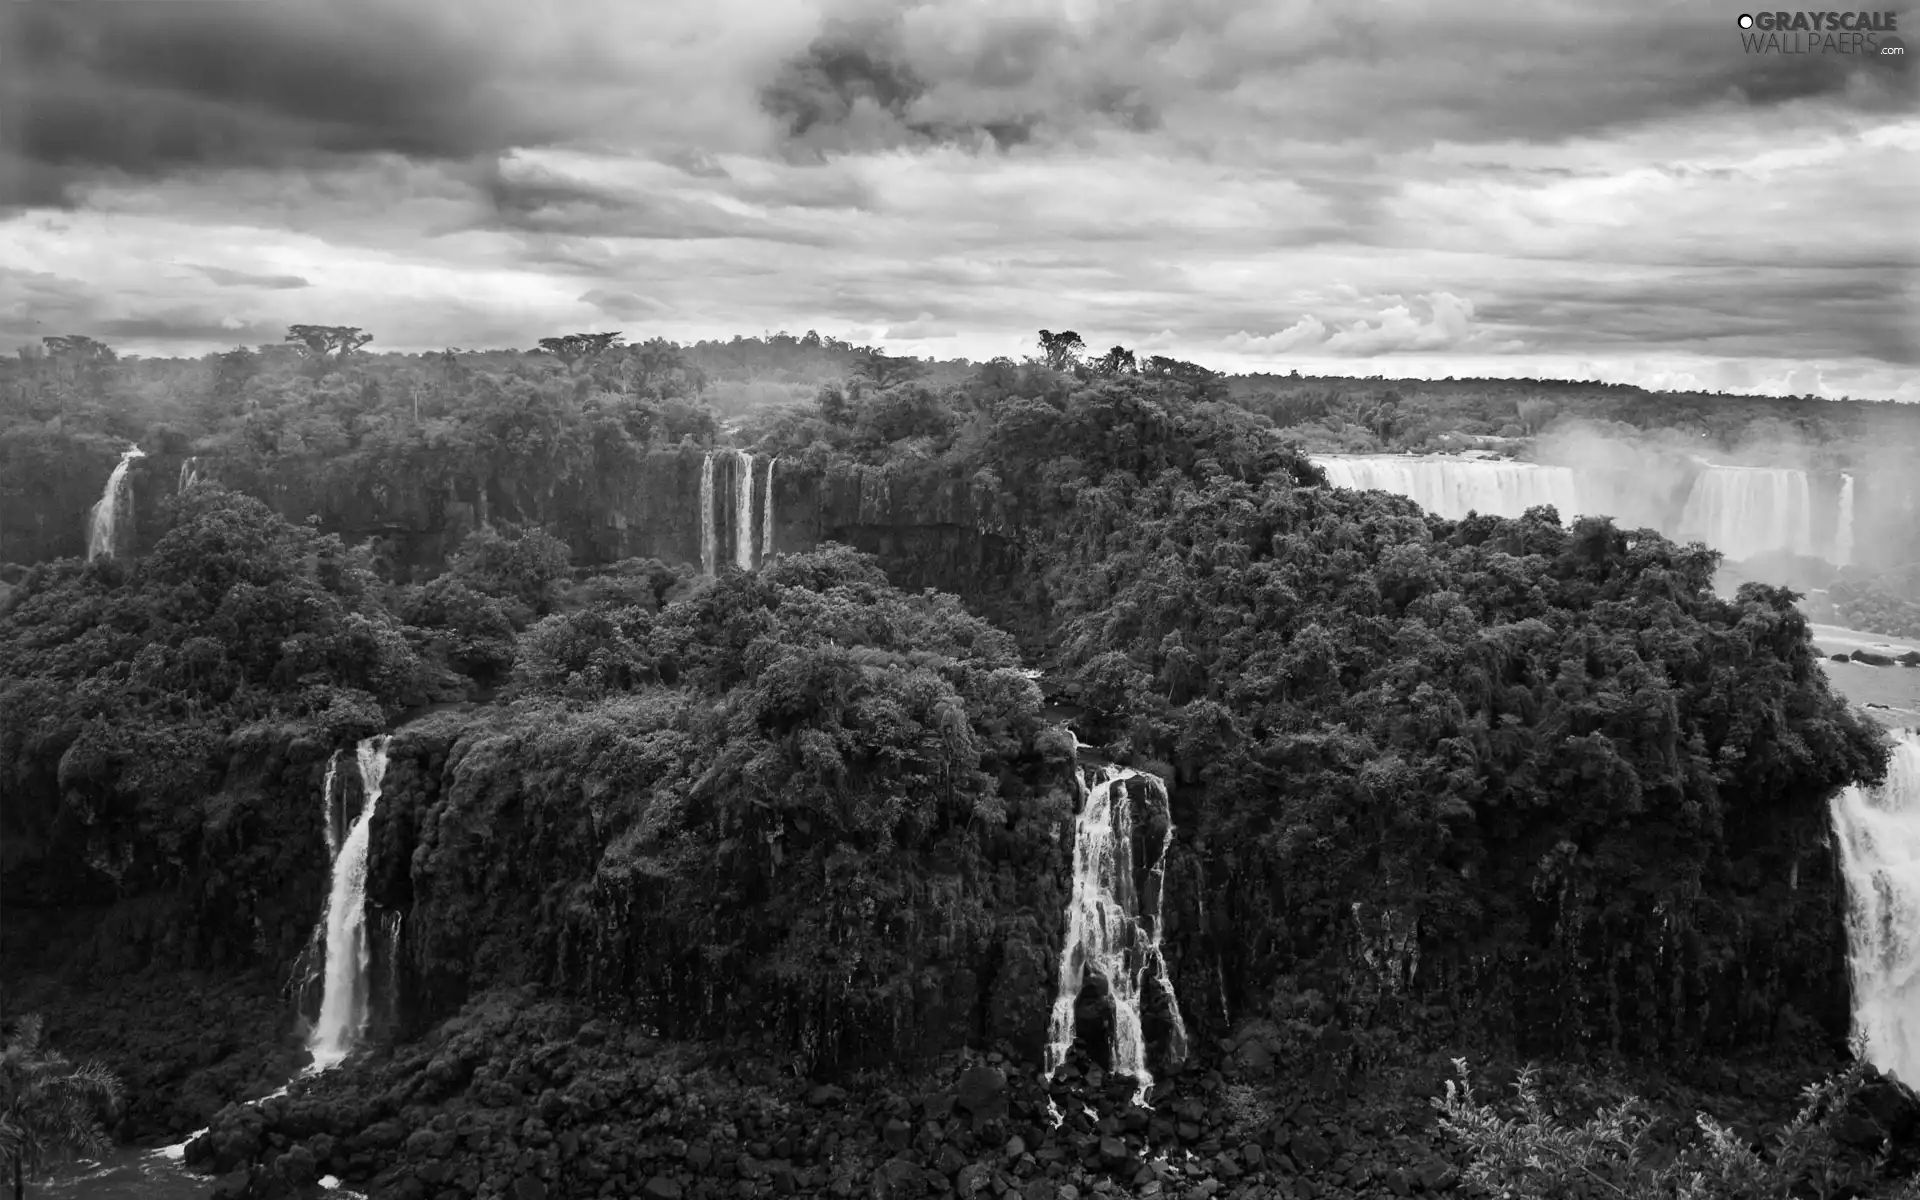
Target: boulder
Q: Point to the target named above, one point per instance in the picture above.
(982, 1091)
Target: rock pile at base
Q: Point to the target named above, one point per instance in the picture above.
(535, 1102)
(525, 1099)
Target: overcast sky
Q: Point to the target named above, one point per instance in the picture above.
(1610, 189)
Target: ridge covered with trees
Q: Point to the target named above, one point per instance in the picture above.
(1435, 784)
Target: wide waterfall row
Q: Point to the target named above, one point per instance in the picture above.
(1455, 487)
(116, 501)
(1113, 929)
(739, 522)
(1743, 512)
(1877, 831)
(344, 1002)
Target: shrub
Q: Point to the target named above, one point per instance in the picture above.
(1612, 1153)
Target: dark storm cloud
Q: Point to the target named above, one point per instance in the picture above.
(1488, 73)
(845, 65)
(852, 89)
(155, 88)
(227, 278)
(1323, 73)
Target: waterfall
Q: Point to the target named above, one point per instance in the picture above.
(189, 473)
(1740, 511)
(311, 964)
(743, 511)
(766, 515)
(1454, 487)
(1843, 524)
(1747, 511)
(390, 924)
(1877, 832)
(709, 553)
(1111, 929)
(343, 1005)
(104, 519)
(329, 812)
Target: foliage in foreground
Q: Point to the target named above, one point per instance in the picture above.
(49, 1108)
(1613, 1153)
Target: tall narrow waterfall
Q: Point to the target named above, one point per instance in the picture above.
(766, 516)
(1747, 511)
(330, 809)
(1112, 929)
(1877, 831)
(1454, 487)
(709, 551)
(189, 473)
(743, 511)
(343, 1005)
(103, 521)
(1843, 524)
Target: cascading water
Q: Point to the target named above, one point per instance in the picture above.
(1877, 832)
(766, 517)
(310, 968)
(743, 511)
(343, 1005)
(329, 811)
(1454, 487)
(390, 925)
(1740, 511)
(1748, 511)
(103, 521)
(709, 551)
(1111, 929)
(189, 473)
(1843, 524)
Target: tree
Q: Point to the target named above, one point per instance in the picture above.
(318, 341)
(579, 347)
(885, 369)
(232, 370)
(76, 351)
(1061, 349)
(1117, 361)
(49, 1108)
(1534, 413)
(1202, 384)
(659, 370)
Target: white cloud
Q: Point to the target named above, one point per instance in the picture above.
(1262, 188)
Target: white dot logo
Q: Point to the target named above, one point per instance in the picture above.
(1746, 21)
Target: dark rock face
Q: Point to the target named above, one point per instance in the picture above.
(479, 917)
(930, 520)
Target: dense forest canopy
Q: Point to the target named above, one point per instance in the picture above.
(1551, 760)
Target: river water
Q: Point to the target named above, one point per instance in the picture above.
(127, 1175)
(137, 1175)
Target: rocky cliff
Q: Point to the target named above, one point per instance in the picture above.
(930, 524)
